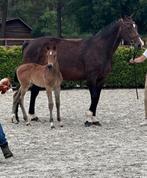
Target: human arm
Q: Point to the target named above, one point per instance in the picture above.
(139, 59)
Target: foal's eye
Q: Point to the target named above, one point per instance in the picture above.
(54, 48)
(48, 47)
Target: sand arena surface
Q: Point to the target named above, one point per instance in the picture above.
(118, 149)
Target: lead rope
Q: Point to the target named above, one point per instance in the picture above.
(134, 52)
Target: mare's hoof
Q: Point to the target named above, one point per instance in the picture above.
(35, 119)
(88, 124)
(97, 123)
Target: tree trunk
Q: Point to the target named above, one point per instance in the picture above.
(59, 18)
(4, 7)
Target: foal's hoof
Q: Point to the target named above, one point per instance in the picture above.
(15, 122)
(14, 119)
(52, 127)
(35, 119)
(28, 124)
(61, 124)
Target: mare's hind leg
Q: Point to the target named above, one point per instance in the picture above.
(95, 95)
(50, 105)
(57, 98)
(34, 92)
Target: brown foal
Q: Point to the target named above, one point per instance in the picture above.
(45, 76)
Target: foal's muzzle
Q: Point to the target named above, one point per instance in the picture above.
(50, 66)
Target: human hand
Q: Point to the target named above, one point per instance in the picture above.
(131, 61)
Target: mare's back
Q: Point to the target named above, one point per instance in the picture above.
(33, 51)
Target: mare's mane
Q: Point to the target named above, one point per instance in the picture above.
(107, 29)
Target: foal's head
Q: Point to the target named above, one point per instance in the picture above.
(51, 56)
(129, 32)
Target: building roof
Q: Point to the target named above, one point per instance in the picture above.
(19, 19)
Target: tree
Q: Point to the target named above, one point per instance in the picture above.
(59, 18)
(4, 7)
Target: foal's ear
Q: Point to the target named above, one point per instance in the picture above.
(54, 48)
(126, 17)
(48, 48)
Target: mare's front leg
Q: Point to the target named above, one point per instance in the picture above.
(95, 95)
(57, 98)
(34, 92)
(50, 105)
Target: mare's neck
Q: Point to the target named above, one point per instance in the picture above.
(110, 38)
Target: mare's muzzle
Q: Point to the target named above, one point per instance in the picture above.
(139, 44)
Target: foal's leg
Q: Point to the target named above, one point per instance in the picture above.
(34, 92)
(16, 99)
(50, 105)
(23, 91)
(57, 98)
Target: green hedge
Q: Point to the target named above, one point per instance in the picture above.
(10, 58)
(122, 75)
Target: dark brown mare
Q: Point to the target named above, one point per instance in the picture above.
(89, 59)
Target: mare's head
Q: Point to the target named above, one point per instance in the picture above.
(129, 32)
(51, 56)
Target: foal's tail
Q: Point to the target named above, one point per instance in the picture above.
(16, 96)
(15, 83)
(24, 45)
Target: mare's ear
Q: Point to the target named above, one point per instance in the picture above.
(127, 18)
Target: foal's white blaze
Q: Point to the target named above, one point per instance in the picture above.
(51, 52)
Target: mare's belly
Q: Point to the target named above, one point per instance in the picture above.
(72, 74)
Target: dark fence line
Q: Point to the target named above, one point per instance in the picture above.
(13, 41)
